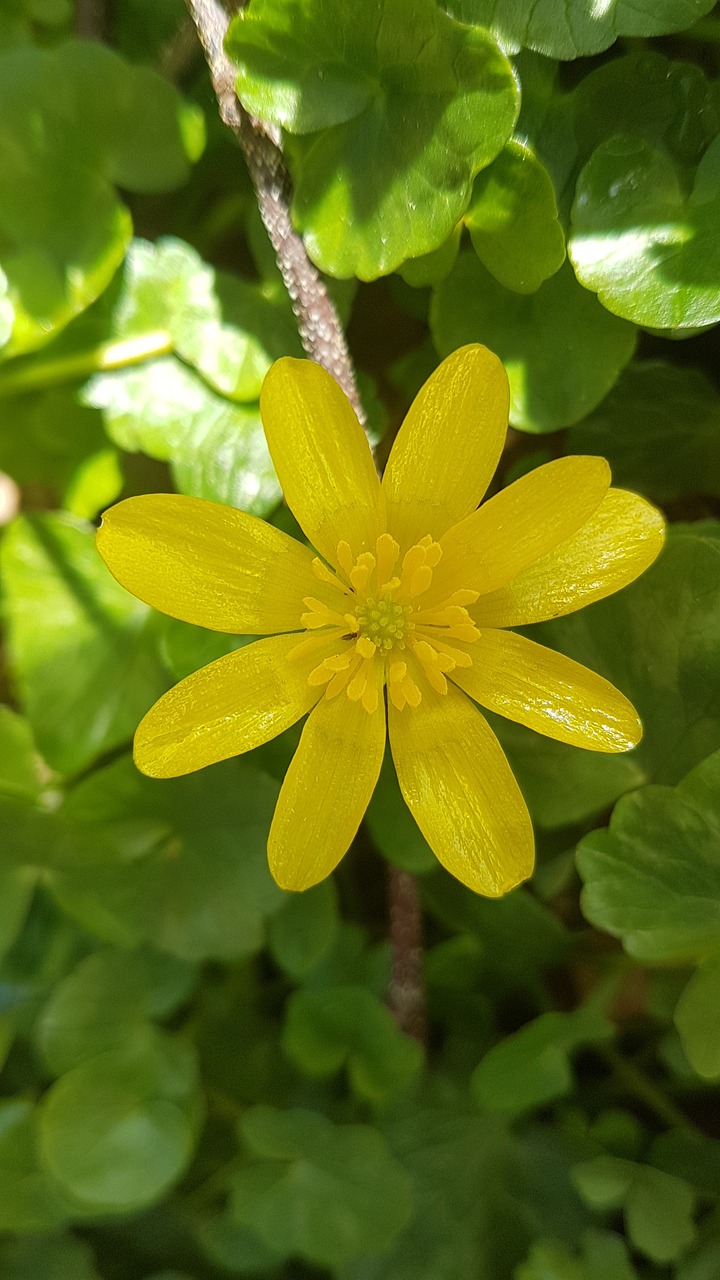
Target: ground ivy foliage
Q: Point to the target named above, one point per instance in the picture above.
(200, 1076)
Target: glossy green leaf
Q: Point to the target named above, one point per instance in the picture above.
(513, 222)
(328, 1193)
(331, 1027)
(106, 1001)
(653, 878)
(181, 864)
(696, 1018)
(74, 122)
(79, 645)
(396, 107)
(669, 104)
(533, 1066)
(562, 351)
(304, 929)
(659, 429)
(658, 1207)
(573, 28)
(119, 1129)
(649, 251)
(216, 449)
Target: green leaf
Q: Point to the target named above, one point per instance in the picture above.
(533, 1066)
(658, 1207)
(54, 1256)
(513, 222)
(393, 828)
(74, 122)
(573, 28)
(105, 1003)
(20, 769)
(79, 644)
(118, 1130)
(330, 1027)
(30, 1200)
(399, 106)
(659, 429)
(563, 352)
(696, 1018)
(649, 252)
(216, 449)
(328, 1193)
(46, 435)
(604, 1256)
(233, 1248)
(658, 640)
(304, 929)
(653, 878)
(180, 864)
(670, 105)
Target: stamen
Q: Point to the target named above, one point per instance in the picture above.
(322, 572)
(420, 580)
(387, 557)
(365, 647)
(345, 558)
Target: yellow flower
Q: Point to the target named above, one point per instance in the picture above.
(411, 593)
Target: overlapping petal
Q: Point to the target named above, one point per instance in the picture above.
(548, 692)
(613, 548)
(208, 564)
(448, 447)
(461, 791)
(326, 791)
(322, 457)
(228, 707)
(521, 523)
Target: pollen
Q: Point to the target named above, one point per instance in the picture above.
(388, 629)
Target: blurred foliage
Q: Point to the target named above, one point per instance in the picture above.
(200, 1076)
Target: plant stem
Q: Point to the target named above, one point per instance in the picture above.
(318, 323)
(324, 341)
(90, 19)
(38, 373)
(407, 980)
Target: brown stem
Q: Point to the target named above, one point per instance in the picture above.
(407, 979)
(90, 19)
(320, 329)
(324, 341)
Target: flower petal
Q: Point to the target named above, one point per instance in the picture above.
(461, 791)
(548, 692)
(326, 791)
(228, 707)
(521, 523)
(321, 456)
(616, 545)
(208, 564)
(448, 447)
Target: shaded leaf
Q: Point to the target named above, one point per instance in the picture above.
(562, 351)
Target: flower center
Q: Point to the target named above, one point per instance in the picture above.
(387, 627)
(384, 621)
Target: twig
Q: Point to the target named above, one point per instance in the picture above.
(320, 329)
(324, 341)
(90, 19)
